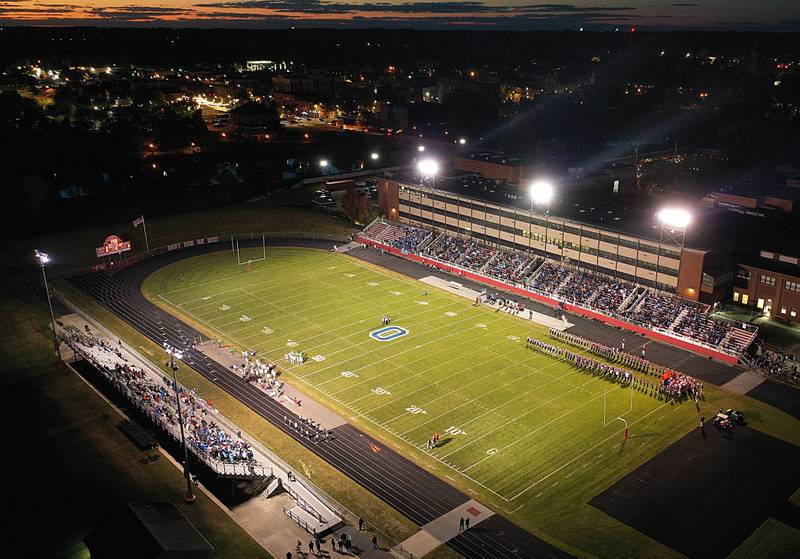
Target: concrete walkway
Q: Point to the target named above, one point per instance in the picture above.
(463, 291)
(744, 383)
(442, 530)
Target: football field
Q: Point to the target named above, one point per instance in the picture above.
(520, 425)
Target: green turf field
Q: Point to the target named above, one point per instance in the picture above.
(519, 424)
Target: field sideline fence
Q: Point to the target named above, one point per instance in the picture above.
(223, 241)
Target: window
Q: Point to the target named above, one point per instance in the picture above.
(760, 304)
(736, 296)
(743, 274)
(783, 310)
(793, 313)
(616, 186)
(767, 280)
(745, 298)
(792, 285)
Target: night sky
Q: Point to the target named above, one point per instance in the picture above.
(769, 15)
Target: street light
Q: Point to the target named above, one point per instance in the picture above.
(190, 497)
(44, 259)
(323, 163)
(462, 141)
(420, 148)
(541, 192)
(374, 156)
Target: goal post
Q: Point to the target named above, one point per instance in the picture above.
(611, 417)
(250, 261)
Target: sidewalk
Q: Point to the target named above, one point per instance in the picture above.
(442, 530)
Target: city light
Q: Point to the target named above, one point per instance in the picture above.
(462, 141)
(428, 167)
(374, 156)
(323, 163)
(541, 192)
(677, 218)
(420, 148)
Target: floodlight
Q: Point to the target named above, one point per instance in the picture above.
(42, 257)
(541, 192)
(428, 167)
(676, 218)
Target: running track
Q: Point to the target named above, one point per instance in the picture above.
(414, 492)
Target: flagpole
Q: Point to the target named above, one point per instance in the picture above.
(146, 243)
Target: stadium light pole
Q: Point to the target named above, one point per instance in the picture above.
(190, 497)
(674, 222)
(541, 192)
(44, 259)
(428, 168)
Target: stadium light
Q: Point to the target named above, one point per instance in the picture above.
(174, 352)
(541, 192)
(420, 148)
(428, 167)
(675, 218)
(44, 259)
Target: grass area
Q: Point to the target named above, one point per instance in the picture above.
(358, 500)
(72, 467)
(772, 539)
(73, 249)
(521, 430)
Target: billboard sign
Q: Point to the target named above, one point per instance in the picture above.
(112, 245)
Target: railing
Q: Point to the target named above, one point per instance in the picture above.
(302, 523)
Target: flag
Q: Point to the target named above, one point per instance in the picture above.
(138, 221)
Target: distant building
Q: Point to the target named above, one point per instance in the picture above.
(263, 65)
(299, 84)
(771, 284)
(253, 119)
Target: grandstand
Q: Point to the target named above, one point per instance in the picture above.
(634, 304)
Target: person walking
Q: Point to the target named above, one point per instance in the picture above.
(374, 541)
(461, 524)
(311, 547)
(360, 524)
(466, 524)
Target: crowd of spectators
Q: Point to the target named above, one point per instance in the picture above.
(511, 267)
(785, 366)
(157, 399)
(657, 310)
(549, 277)
(696, 325)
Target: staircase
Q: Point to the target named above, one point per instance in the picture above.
(679, 318)
(739, 339)
(631, 299)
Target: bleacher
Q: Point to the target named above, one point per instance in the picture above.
(639, 305)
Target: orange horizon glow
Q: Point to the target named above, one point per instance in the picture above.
(500, 14)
